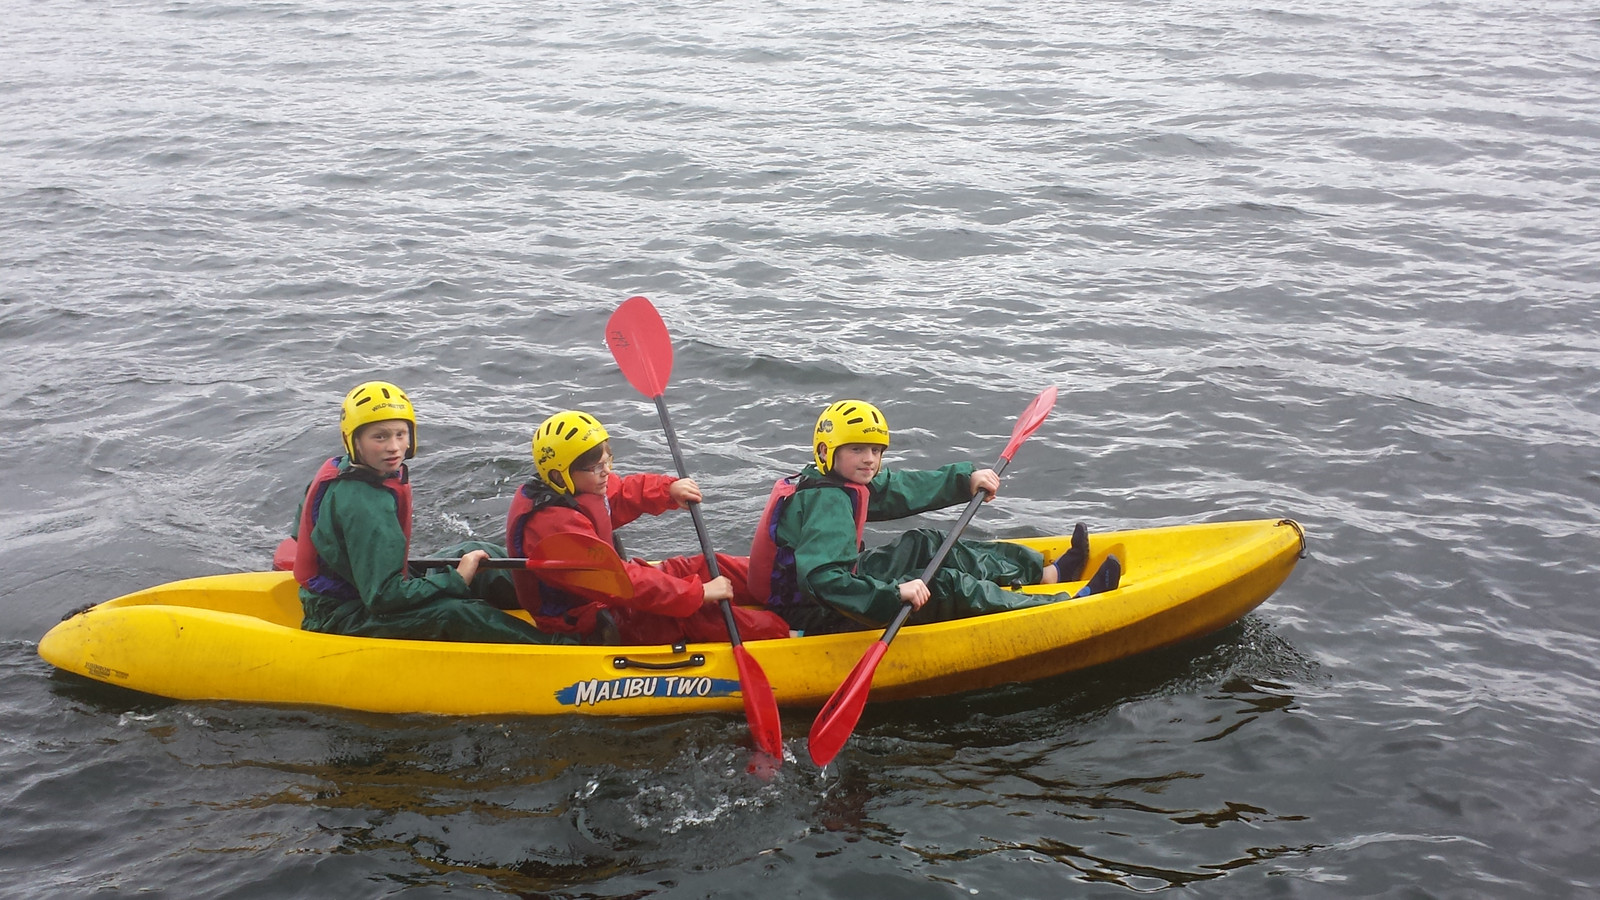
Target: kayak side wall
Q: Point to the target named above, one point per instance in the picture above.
(196, 654)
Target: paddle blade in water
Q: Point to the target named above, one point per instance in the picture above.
(641, 345)
(760, 705)
(838, 717)
(764, 765)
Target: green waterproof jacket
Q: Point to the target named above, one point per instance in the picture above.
(820, 527)
(359, 538)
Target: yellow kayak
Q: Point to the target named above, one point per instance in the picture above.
(237, 637)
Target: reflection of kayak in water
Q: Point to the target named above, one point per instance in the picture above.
(237, 637)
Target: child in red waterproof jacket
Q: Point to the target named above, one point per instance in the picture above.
(574, 490)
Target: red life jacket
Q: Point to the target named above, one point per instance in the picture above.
(773, 579)
(308, 569)
(537, 598)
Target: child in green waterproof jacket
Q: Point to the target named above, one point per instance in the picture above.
(354, 539)
(808, 553)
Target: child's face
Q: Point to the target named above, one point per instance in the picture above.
(382, 445)
(593, 479)
(858, 462)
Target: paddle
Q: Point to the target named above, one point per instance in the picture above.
(639, 341)
(839, 715)
(574, 561)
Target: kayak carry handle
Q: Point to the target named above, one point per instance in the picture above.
(1305, 547)
(622, 662)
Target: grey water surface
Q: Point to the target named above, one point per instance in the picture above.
(1330, 261)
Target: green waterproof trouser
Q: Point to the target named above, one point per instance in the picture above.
(491, 585)
(474, 619)
(970, 579)
(448, 619)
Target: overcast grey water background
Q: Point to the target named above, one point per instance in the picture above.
(1329, 261)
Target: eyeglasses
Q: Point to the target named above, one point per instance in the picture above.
(599, 469)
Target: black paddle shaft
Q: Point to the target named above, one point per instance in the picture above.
(683, 472)
(939, 555)
(694, 514)
(515, 562)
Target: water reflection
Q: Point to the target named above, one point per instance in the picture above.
(1103, 772)
(1023, 772)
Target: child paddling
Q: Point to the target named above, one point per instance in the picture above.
(807, 562)
(575, 491)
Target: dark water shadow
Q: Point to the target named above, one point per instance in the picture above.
(1242, 653)
(99, 696)
(580, 806)
(1044, 771)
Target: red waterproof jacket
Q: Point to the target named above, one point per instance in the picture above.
(537, 512)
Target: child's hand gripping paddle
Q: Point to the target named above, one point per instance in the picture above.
(639, 342)
(839, 715)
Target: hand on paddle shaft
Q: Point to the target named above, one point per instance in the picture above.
(839, 715)
(643, 350)
(985, 485)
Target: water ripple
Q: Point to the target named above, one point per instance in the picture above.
(1335, 264)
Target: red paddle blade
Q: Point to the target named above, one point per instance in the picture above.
(641, 346)
(1030, 420)
(839, 716)
(760, 705)
(602, 575)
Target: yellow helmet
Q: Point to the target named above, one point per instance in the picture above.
(847, 422)
(375, 401)
(560, 440)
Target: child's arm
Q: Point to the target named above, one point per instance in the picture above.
(653, 590)
(660, 592)
(900, 493)
(632, 496)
